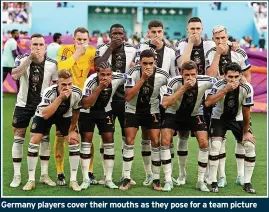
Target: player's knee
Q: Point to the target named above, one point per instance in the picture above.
(19, 132)
(215, 145)
(249, 147)
(155, 143)
(166, 141)
(129, 140)
(203, 143)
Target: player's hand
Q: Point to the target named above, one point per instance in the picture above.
(221, 48)
(116, 43)
(249, 137)
(104, 83)
(243, 80)
(189, 83)
(65, 93)
(156, 41)
(33, 55)
(73, 137)
(146, 73)
(193, 38)
(81, 49)
(235, 46)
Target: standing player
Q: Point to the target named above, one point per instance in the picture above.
(98, 92)
(166, 60)
(142, 109)
(183, 102)
(120, 55)
(232, 112)
(216, 58)
(78, 58)
(192, 48)
(10, 53)
(60, 105)
(53, 48)
(35, 72)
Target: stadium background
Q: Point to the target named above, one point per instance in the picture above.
(241, 19)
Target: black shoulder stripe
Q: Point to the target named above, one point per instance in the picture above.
(173, 81)
(247, 88)
(242, 52)
(160, 71)
(210, 50)
(219, 83)
(51, 60)
(92, 82)
(101, 45)
(22, 56)
(132, 70)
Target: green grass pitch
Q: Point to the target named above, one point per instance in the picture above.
(259, 179)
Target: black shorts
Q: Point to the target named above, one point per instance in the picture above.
(118, 110)
(146, 121)
(42, 126)
(22, 116)
(207, 115)
(103, 120)
(6, 70)
(219, 128)
(193, 123)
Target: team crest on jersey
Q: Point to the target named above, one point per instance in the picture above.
(197, 60)
(34, 125)
(248, 100)
(231, 103)
(88, 91)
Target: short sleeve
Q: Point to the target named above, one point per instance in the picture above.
(209, 59)
(171, 87)
(89, 85)
(215, 88)
(54, 76)
(180, 45)
(13, 45)
(77, 103)
(245, 64)
(248, 95)
(47, 97)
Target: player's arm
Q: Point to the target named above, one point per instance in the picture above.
(186, 56)
(21, 67)
(49, 110)
(99, 59)
(245, 65)
(212, 63)
(246, 118)
(169, 100)
(74, 121)
(247, 75)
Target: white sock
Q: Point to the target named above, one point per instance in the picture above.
(74, 161)
(146, 155)
(102, 155)
(44, 154)
(17, 153)
(208, 163)
(202, 163)
(182, 152)
(156, 162)
(85, 158)
(109, 156)
(166, 163)
(250, 159)
(172, 153)
(240, 155)
(123, 141)
(214, 159)
(32, 159)
(222, 159)
(128, 157)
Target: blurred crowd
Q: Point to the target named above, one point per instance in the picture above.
(260, 10)
(15, 12)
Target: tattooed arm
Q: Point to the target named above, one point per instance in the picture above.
(21, 69)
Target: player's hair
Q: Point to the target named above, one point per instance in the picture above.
(116, 26)
(64, 74)
(189, 65)
(155, 23)
(103, 65)
(233, 66)
(56, 36)
(194, 19)
(147, 53)
(13, 31)
(82, 30)
(36, 35)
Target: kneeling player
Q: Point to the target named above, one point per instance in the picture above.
(60, 105)
(98, 91)
(232, 112)
(183, 100)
